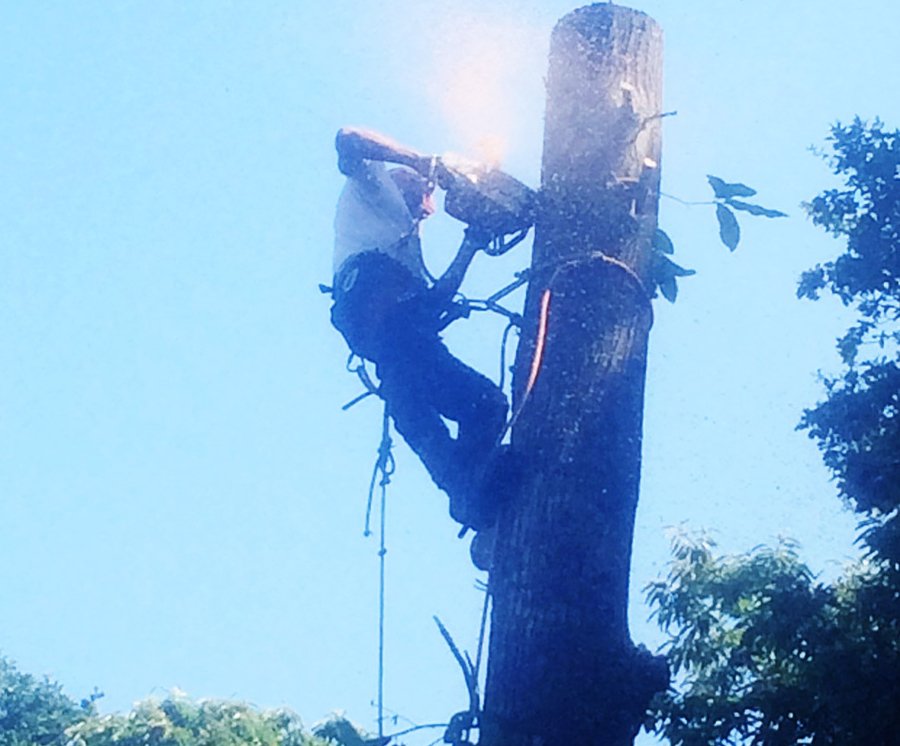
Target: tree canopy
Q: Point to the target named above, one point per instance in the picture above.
(36, 712)
(763, 652)
(857, 426)
(180, 721)
(766, 655)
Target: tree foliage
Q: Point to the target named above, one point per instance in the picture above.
(34, 712)
(764, 653)
(181, 721)
(858, 425)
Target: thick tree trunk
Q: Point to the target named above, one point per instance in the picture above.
(562, 668)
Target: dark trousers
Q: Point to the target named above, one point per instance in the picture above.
(421, 382)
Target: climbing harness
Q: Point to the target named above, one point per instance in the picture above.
(359, 368)
(499, 245)
(492, 302)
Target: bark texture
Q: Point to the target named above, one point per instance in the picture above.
(562, 668)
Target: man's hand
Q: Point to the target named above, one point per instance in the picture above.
(448, 284)
(355, 145)
(427, 166)
(477, 238)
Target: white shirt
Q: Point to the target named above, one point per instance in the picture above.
(372, 216)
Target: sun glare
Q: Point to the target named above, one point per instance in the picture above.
(478, 70)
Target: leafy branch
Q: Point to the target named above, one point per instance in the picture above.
(726, 201)
(664, 271)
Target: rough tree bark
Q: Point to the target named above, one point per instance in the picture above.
(562, 668)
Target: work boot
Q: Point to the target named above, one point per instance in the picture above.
(475, 502)
(500, 481)
(481, 550)
(471, 503)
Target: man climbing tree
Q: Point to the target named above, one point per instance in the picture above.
(391, 312)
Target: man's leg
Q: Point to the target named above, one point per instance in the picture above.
(421, 426)
(479, 407)
(467, 397)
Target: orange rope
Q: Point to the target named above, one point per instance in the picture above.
(544, 318)
(540, 341)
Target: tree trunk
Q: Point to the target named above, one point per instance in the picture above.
(562, 668)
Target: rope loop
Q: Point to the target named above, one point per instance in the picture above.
(563, 265)
(384, 466)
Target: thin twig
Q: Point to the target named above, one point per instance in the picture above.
(686, 202)
(417, 727)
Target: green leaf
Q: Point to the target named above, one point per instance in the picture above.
(665, 267)
(725, 190)
(664, 272)
(729, 231)
(662, 242)
(669, 288)
(755, 209)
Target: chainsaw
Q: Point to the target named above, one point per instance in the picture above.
(488, 200)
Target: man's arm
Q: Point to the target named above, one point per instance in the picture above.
(447, 285)
(355, 145)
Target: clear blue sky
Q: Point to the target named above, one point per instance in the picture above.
(182, 498)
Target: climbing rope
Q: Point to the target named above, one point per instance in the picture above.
(359, 369)
(558, 268)
(503, 342)
(458, 729)
(384, 466)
